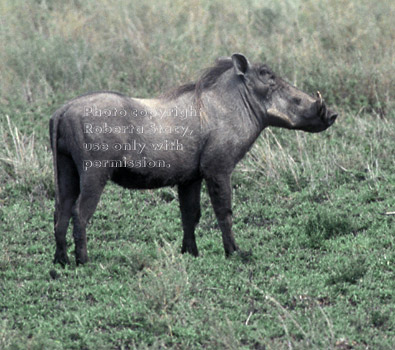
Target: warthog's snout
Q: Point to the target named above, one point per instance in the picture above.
(328, 117)
(292, 108)
(331, 119)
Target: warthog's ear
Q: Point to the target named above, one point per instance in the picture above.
(240, 64)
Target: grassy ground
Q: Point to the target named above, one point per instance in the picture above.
(313, 211)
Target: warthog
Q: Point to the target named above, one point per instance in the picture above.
(198, 131)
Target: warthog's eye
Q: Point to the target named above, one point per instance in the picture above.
(297, 100)
(267, 76)
(264, 72)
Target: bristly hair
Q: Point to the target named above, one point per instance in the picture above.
(207, 80)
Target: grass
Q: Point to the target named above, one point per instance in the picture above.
(312, 213)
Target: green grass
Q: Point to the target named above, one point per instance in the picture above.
(311, 211)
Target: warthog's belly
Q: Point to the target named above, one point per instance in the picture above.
(137, 178)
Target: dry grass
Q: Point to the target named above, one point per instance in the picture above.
(23, 161)
(344, 49)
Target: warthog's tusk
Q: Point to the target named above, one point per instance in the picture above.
(319, 96)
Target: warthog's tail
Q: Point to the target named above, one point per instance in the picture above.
(53, 132)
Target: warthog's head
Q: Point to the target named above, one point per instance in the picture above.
(285, 105)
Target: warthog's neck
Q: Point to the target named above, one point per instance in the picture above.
(254, 110)
(232, 123)
(237, 110)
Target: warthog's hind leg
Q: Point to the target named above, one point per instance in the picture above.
(91, 188)
(189, 195)
(68, 182)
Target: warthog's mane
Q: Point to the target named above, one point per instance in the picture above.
(208, 78)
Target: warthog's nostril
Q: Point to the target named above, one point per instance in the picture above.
(332, 118)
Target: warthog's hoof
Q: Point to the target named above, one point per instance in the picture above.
(81, 258)
(190, 248)
(230, 249)
(61, 258)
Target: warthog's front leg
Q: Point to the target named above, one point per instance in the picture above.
(189, 196)
(220, 191)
